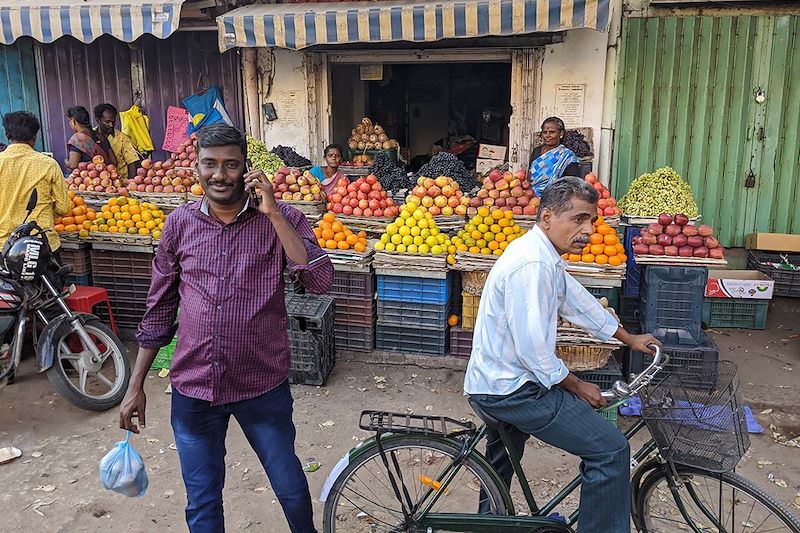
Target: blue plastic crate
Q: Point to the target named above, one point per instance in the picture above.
(84, 280)
(417, 290)
(672, 302)
(633, 273)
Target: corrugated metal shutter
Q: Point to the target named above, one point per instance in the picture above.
(18, 89)
(686, 99)
(184, 64)
(73, 74)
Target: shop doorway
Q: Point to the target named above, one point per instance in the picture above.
(457, 105)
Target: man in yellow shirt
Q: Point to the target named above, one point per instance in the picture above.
(121, 144)
(23, 169)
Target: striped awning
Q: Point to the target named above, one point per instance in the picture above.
(86, 20)
(300, 25)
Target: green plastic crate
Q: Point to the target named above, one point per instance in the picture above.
(610, 414)
(741, 313)
(611, 293)
(164, 357)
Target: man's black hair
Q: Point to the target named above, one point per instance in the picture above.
(102, 108)
(558, 196)
(220, 134)
(21, 126)
(80, 114)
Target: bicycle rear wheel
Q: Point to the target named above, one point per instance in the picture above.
(725, 502)
(362, 498)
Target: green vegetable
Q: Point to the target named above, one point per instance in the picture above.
(662, 191)
(261, 157)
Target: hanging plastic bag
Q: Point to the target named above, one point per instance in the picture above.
(122, 470)
(206, 108)
(136, 125)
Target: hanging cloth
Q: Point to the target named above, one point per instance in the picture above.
(206, 108)
(136, 125)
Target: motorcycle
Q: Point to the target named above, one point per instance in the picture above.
(82, 357)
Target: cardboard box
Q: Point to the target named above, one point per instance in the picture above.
(773, 242)
(482, 166)
(749, 284)
(490, 151)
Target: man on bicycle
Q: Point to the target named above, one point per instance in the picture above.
(515, 375)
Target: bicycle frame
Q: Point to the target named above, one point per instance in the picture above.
(476, 523)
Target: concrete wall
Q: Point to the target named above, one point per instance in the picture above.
(580, 59)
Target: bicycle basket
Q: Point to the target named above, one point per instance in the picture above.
(697, 419)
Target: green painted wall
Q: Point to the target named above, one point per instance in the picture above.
(18, 90)
(686, 98)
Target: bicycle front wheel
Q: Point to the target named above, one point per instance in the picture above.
(707, 501)
(363, 499)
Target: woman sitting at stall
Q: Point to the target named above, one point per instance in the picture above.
(329, 174)
(552, 160)
(85, 144)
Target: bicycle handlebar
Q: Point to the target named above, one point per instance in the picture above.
(621, 390)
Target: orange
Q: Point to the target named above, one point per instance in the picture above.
(321, 243)
(596, 249)
(601, 259)
(604, 229)
(327, 234)
(614, 260)
(493, 245)
(113, 229)
(574, 258)
(59, 228)
(329, 217)
(500, 237)
(68, 221)
(135, 209)
(452, 320)
(587, 258)
(331, 244)
(338, 237)
(86, 224)
(91, 215)
(70, 227)
(360, 247)
(317, 232)
(351, 239)
(71, 195)
(610, 250)
(343, 245)
(595, 238)
(610, 239)
(337, 227)
(77, 200)
(362, 234)
(620, 248)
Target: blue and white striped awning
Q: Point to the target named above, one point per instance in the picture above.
(297, 26)
(86, 20)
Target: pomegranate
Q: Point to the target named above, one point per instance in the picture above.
(656, 249)
(641, 249)
(680, 240)
(672, 230)
(637, 240)
(705, 230)
(649, 238)
(717, 253)
(702, 251)
(681, 219)
(696, 241)
(685, 251)
(690, 230)
(671, 251)
(664, 240)
(655, 229)
(665, 219)
(711, 243)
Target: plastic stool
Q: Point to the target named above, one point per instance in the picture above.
(85, 298)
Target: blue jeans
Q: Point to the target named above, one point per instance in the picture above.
(266, 420)
(561, 419)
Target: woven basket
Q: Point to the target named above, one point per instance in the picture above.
(582, 358)
(473, 281)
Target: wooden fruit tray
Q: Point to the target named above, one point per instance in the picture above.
(679, 261)
(121, 241)
(310, 209)
(467, 262)
(160, 199)
(392, 263)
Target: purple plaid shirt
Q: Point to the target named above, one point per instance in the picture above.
(228, 281)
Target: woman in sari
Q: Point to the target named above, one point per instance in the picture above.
(552, 160)
(329, 174)
(85, 144)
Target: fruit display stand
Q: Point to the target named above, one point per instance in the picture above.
(449, 224)
(372, 226)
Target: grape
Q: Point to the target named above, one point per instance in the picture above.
(575, 141)
(261, 158)
(662, 191)
(390, 176)
(290, 157)
(446, 164)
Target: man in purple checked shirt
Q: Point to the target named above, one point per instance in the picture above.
(222, 260)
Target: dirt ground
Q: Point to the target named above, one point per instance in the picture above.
(54, 486)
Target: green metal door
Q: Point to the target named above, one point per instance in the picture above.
(686, 94)
(18, 88)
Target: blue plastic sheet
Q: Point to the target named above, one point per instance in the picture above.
(122, 470)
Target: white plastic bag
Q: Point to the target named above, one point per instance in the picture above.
(122, 470)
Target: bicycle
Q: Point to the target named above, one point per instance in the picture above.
(423, 473)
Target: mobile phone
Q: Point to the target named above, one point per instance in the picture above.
(253, 194)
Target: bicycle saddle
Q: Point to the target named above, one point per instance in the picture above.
(488, 419)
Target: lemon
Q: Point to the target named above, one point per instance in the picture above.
(397, 238)
(436, 250)
(431, 241)
(424, 249)
(412, 248)
(408, 239)
(415, 230)
(390, 247)
(401, 248)
(404, 230)
(418, 241)
(391, 229)
(411, 222)
(380, 245)
(385, 238)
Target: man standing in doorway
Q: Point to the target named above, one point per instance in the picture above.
(127, 156)
(23, 169)
(515, 376)
(222, 259)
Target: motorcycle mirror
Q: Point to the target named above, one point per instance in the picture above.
(32, 201)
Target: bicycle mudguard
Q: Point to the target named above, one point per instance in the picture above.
(339, 467)
(57, 328)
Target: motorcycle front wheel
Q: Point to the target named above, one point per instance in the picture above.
(95, 383)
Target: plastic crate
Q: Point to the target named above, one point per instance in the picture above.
(356, 311)
(735, 313)
(80, 259)
(352, 284)
(413, 314)
(354, 338)
(414, 340)
(629, 309)
(633, 273)
(122, 264)
(610, 414)
(455, 292)
(787, 283)
(469, 310)
(311, 337)
(412, 289)
(603, 377)
(609, 293)
(672, 301)
(82, 280)
(128, 298)
(290, 287)
(685, 359)
(460, 343)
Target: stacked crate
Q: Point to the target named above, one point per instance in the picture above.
(412, 314)
(354, 323)
(311, 338)
(671, 308)
(125, 272)
(77, 255)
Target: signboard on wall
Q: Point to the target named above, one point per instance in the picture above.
(371, 72)
(570, 99)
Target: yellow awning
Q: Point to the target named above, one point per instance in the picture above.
(298, 26)
(86, 20)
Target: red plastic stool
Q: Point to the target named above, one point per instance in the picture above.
(85, 298)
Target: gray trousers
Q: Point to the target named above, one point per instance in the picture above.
(561, 419)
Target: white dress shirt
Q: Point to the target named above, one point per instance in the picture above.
(515, 331)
